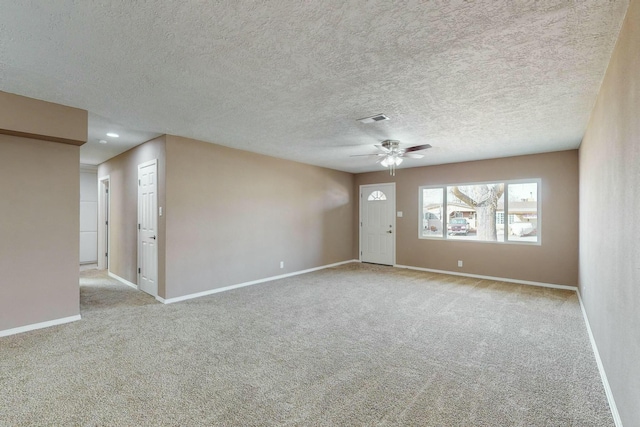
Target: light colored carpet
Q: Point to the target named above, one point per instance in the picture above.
(354, 345)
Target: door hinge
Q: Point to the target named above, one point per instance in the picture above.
(106, 254)
(138, 270)
(139, 182)
(106, 223)
(106, 191)
(138, 226)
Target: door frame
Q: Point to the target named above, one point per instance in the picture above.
(393, 219)
(139, 242)
(104, 220)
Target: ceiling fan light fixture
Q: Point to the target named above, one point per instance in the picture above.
(391, 154)
(391, 161)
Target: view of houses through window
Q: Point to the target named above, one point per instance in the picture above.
(490, 212)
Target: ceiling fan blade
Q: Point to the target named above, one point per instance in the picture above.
(385, 149)
(417, 148)
(362, 155)
(413, 155)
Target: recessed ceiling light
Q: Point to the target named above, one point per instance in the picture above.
(113, 135)
(102, 141)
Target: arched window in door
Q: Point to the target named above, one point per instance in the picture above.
(377, 195)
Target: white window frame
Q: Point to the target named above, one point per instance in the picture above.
(506, 182)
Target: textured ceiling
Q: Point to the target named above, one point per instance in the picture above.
(94, 152)
(475, 79)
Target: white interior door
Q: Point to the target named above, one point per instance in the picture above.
(378, 223)
(105, 195)
(103, 223)
(148, 227)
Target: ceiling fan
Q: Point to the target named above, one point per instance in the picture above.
(391, 154)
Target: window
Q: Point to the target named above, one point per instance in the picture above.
(478, 211)
(500, 217)
(432, 209)
(522, 202)
(377, 195)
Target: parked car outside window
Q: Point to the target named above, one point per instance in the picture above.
(458, 226)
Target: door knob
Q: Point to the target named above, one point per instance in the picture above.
(389, 231)
(153, 237)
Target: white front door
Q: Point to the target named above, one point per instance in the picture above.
(148, 227)
(377, 223)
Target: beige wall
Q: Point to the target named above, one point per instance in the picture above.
(32, 118)
(232, 216)
(555, 261)
(39, 210)
(123, 190)
(39, 223)
(609, 220)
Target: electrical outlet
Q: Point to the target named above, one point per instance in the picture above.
(459, 263)
(281, 264)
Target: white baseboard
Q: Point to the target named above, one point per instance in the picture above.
(123, 281)
(500, 279)
(253, 282)
(603, 375)
(40, 325)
